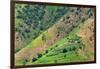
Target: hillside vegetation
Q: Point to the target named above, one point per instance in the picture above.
(53, 34)
(32, 20)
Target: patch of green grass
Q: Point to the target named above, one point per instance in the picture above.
(52, 8)
(71, 43)
(35, 42)
(60, 58)
(55, 52)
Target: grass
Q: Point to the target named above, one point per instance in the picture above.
(71, 42)
(55, 54)
(64, 48)
(55, 51)
(38, 40)
(52, 8)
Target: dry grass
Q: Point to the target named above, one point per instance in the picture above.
(87, 34)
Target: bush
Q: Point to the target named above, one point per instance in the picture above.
(33, 23)
(43, 37)
(83, 20)
(39, 55)
(51, 48)
(69, 49)
(80, 47)
(90, 38)
(64, 50)
(46, 51)
(56, 45)
(65, 55)
(72, 10)
(55, 61)
(34, 59)
(73, 48)
(27, 30)
(67, 17)
(16, 50)
(25, 61)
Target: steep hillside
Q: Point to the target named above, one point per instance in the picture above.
(59, 30)
(71, 48)
(32, 20)
(87, 33)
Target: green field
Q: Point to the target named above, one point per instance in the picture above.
(63, 51)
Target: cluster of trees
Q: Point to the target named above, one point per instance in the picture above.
(32, 20)
(36, 58)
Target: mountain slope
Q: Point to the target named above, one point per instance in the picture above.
(71, 48)
(55, 33)
(32, 20)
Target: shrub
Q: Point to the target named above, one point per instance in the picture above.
(43, 37)
(56, 45)
(34, 59)
(65, 55)
(90, 38)
(25, 61)
(80, 47)
(27, 30)
(64, 50)
(16, 50)
(77, 13)
(67, 17)
(73, 48)
(72, 10)
(46, 51)
(51, 48)
(69, 49)
(55, 61)
(39, 55)
(83, 20)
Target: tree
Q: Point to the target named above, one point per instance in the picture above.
(73, 48)
(55, 61)
(67, 17)
(64, 50)
(43, 37)
(46, 51)
(25, 61)
(65, 55)
(56, 45)
(39, 55)
(34, 59)
(90, 38)
(83, 20)
(27, 30)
